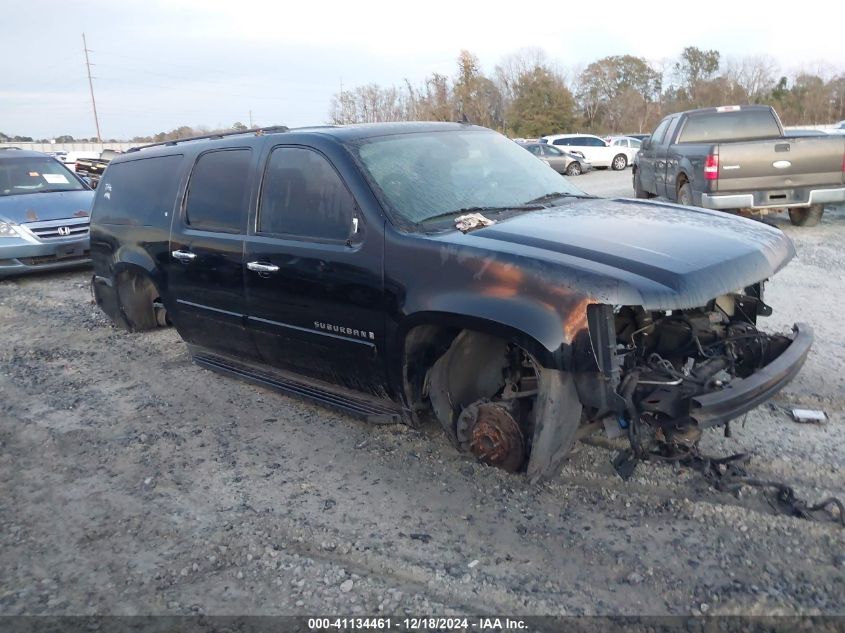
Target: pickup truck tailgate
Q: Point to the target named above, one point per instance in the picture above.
(780, 164)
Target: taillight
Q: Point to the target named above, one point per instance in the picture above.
(711, 167)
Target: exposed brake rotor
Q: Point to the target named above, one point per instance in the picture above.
(490, 432)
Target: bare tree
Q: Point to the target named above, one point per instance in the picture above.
(755, 75)
(515, 65)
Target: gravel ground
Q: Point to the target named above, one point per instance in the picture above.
(134, 482)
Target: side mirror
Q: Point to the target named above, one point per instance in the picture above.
(646, 143)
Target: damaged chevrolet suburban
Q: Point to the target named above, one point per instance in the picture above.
(404, 272)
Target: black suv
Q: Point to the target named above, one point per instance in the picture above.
(399, 271)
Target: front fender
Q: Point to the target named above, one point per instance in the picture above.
(535, 326)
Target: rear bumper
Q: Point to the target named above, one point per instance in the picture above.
(20, 256)
(742, 395)
(773, 199)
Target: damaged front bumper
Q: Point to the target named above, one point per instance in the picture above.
(741, 395)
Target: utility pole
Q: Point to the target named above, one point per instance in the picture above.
(250, 119)
(91, 86)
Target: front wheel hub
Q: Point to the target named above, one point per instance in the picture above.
(490, 432)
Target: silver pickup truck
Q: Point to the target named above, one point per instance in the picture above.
(738, 158)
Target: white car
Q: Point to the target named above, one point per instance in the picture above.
(596, 150)
(839, 128)
(629, 145)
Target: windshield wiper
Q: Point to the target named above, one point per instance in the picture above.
(557, 194)
(513, 207)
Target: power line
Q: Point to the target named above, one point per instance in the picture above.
(91, 86)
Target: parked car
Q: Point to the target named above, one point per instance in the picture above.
(638, 136)
(839, 128)
(70, 158)
(596, 150)
(400, 272)
(92, 168)
(562, 162)
(739, 158)
(629, 144)
(44, 214)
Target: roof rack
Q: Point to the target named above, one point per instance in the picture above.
(258, 131)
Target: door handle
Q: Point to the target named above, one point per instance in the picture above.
(262, 268)
(184, 256)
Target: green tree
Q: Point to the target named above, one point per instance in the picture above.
(542, 104)
(616, 92)
(696, 66)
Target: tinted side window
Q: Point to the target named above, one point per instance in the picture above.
(562, 141)
(218, 191)
(593, 142)
(552, 151)
(304, 196)
(138, 192)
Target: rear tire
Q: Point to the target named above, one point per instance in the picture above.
(685, 195)
(806, 216)
(574, 168)
(620, 162)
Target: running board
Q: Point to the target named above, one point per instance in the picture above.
(373, 410)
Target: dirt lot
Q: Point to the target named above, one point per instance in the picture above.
(134, 482)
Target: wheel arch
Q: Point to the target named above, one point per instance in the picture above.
(135, 290)
(536, 328)
(431, 336)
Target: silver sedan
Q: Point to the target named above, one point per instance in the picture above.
(567, 163)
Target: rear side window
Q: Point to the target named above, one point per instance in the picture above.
(138, 192)
(217, 195)
(727, 126)
(304, 196)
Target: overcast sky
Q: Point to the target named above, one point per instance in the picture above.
(160, 64)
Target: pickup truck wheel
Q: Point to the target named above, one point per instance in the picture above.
(620, 162)
(806, 216)
(574, 168)
(685, 195)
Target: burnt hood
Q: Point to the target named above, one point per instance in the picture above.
(636, 252)
(51, 205)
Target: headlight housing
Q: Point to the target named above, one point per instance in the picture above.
(7, 230)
